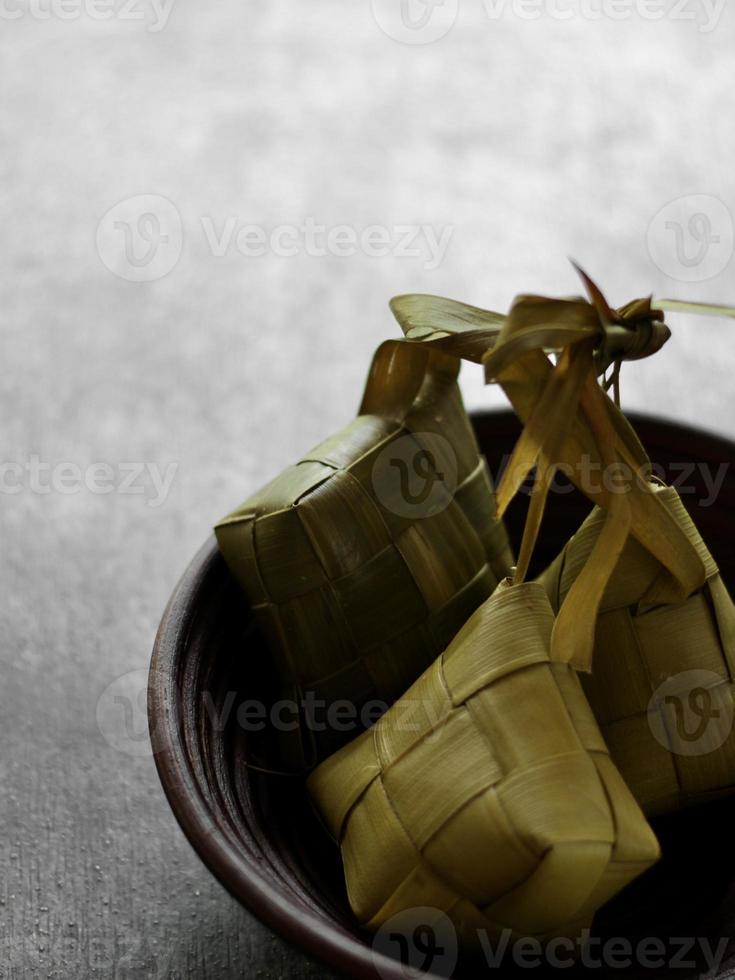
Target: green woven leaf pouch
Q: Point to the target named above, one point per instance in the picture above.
(364, 559)
(487, 791)
(661, 685)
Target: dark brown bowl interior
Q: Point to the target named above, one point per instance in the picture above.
(257, 833)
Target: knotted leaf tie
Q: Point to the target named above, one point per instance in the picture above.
(568, 416)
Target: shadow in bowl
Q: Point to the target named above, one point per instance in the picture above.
(258, 834)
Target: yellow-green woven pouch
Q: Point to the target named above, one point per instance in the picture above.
(364, 559)
(487, 791)
(662, 683)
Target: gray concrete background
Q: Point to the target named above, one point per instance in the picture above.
(529, 139)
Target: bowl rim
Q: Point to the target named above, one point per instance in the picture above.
(238, 872)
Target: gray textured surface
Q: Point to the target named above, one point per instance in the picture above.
(532, 139)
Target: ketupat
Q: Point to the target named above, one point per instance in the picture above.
(662, 683)
(487, 792)
(664, 646)
(357, 584)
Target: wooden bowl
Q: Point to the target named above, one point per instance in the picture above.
(257, 831)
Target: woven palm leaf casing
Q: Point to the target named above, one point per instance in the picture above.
(356, 591)
(487, 791)
(648, 664)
